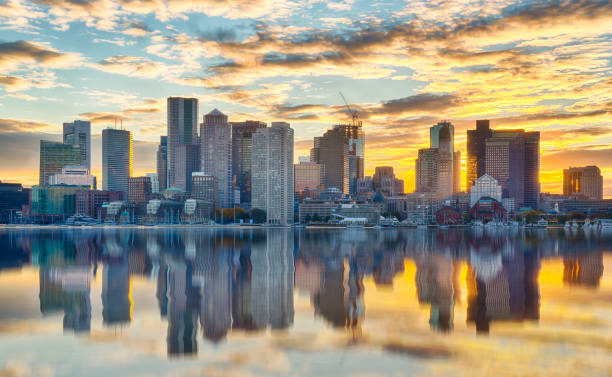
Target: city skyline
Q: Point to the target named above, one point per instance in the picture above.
(402, 66)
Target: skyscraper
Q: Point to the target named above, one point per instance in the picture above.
(117, 156)
(584, 181)
(354, 137)
(216, 154)
(332, 151)
(384, 180)
(79, 133)
(242, 142)
(513, 158)
(182, 129)
(54, 156)
(476, 151)
(187, 162)
(272, 172)
(436, 169)
(307, 175)
(162, 163)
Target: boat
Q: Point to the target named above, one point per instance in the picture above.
(567, 225)
(605, 224)
(477, 223)
(541, 223)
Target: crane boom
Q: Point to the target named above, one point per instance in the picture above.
(353, 114)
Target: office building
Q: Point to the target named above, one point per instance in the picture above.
(204, 187)
(427, 171)
(139, 190)
(162, 163)
(79, 133)
(187, 162)
(272, 173)
(216, 154)
(485, 186)
(54, 156)
(74, 176)
(332, 151)
(53, 203)
(354, 137)
(476, 151)
(117, 156)
(12, 198)
(182, 129)
(512, 158)
(154, 182)
(586, 182)
(307, 175)
(436, 169)
(90, 202)
(384, 180)
(242, 143)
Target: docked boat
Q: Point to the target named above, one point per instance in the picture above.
(541, 223)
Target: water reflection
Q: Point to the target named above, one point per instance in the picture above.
(209, 283)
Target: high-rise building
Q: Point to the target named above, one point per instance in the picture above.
(354, 137)
(204, 187)
(182, 129)
(476, 151)
(436, 167)
(426, 171)
(307, 175)
(162, 163)
(512, 158)
(187, 162)
(139, 190)
(74, 176)
(384, 180)
(54, 157)
(583, 181)
(272, 172)
(216, 154)
(242, 143)
(457, 172)
(79, 133)
(117, 156)
(332, 151)
(154, 182)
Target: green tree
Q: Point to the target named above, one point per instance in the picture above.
(258, 215)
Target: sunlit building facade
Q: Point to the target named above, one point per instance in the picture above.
(242, 145)
(79, 133)
(585, 181)
(117, 159)
(54, 157)
(216, 154)
(182, 129)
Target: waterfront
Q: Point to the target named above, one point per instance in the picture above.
(325, 302)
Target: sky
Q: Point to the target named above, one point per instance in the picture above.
(402, 65)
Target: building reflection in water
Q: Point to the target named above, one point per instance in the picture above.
(214, 282)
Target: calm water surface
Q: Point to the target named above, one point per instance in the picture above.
(193, 302)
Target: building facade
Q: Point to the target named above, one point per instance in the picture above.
(272, 173)
(512, 158)
(182, 129)
(585, 181)
(307, 175)
(74, 176)
(53, 203)
(154, 182)
(485, 186)
(216, 154)
(187, 162)
(12, 198)
(117, 157)
(332, 151)
(354, 137)
(242, 145)
(384, 180)
(79, 133)
(89, 202)
(139, 190)
(54, 157)
(162, 163)
(204, 187)
(476, 151)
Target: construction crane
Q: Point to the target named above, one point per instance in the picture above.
(353, 113)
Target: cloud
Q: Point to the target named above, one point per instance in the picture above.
(419, 103)
(20, 53)
(24, 126)
(99, 117)
(220, 34)
(132, 66)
